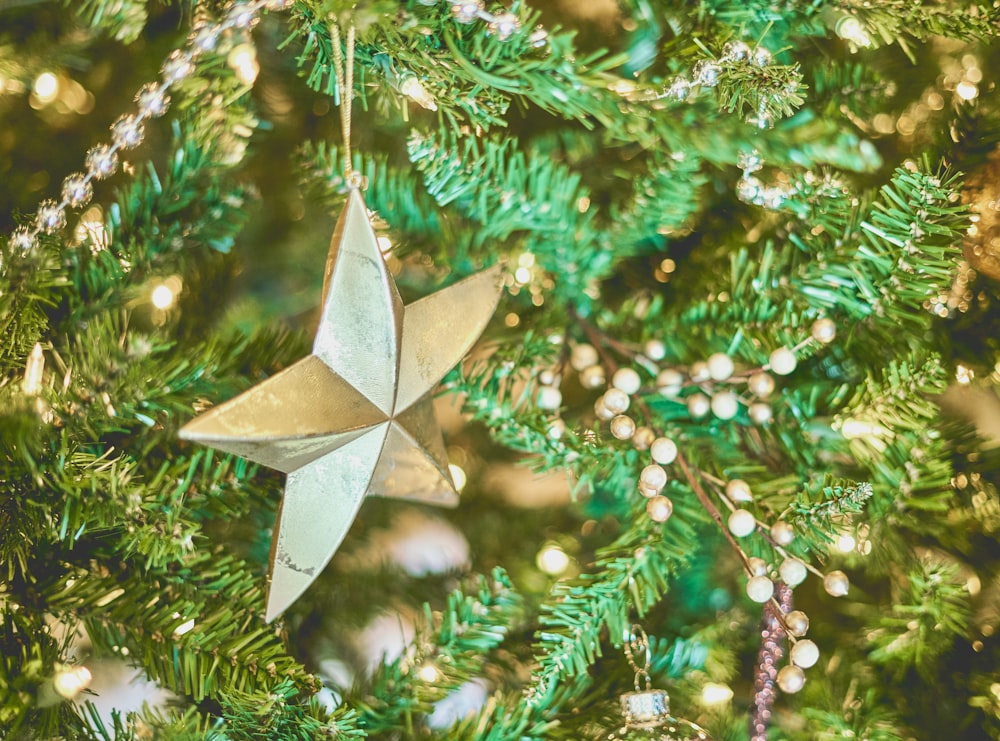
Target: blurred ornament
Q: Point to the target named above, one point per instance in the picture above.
(354, 418)
(647, 711)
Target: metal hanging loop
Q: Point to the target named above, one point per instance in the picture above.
(639, 657)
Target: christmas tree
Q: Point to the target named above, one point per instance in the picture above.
(729, 436)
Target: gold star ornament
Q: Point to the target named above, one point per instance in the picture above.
(354, 418)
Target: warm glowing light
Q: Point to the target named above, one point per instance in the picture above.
(413, 89)
(163, 297)
(457, 476)
(716, 694)
(846, 543)
(428, 673)
(964, 374)
(46, 87)
(850, 29)
(243, 61)
(69, 682)
(552, 560)
(33, 371)
(522, 275)
(854, 428)
(967, 90)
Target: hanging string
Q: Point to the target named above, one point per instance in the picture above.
(344, 70)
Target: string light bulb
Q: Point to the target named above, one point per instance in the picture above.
(34, 370)
(413, 89)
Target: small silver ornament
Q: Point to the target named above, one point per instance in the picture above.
(647, 710)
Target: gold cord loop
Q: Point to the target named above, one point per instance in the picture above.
(344, 70)
(639, 657)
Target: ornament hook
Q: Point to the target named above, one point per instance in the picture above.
(638, 653)
(344, 70)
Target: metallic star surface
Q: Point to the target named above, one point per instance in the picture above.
(355, 417)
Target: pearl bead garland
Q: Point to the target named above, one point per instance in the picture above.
(128, 131)
(724, 404)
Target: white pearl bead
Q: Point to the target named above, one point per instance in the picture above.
(760, 589)
(741, 523)
(592, 377)
(797, 623)
(760, 413)
(699, 371)
(782, 532)
(659, 509)
(655, 350)
(720, 366)
(643, 438)
(549, 398)
(824, 330)
(583, 356)
(547, 378)
(653, 476)
(761, 384)
(663, 450)
(556, 429)
(725, 405)
(791, 679)
(616, 400)
(782, 361)
(626, 379)
(836, 584)
(623, 427)
(793, 572)
(698, 405)
(757, 566)
(603, 413)
(669, 382)
(647, 491)
(804, 654)
(738, 490)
